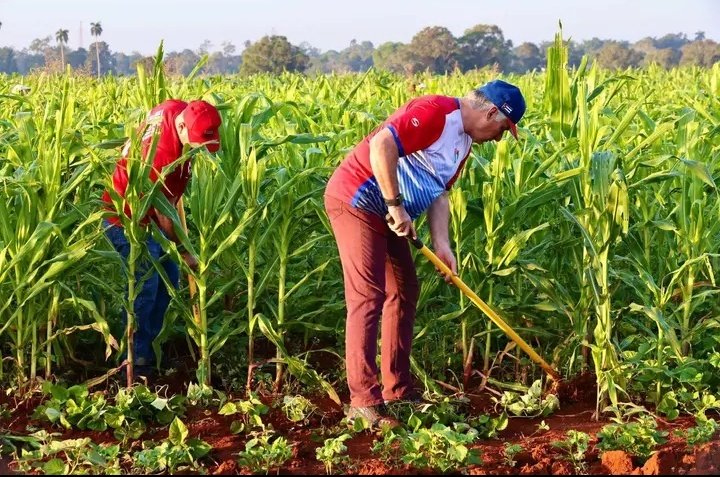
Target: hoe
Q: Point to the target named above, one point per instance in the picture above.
(440, 265)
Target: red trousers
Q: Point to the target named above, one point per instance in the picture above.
(380, 281)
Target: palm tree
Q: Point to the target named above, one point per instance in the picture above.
(96, 30)
(61, 36)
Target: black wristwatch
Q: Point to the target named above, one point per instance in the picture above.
(398, 200)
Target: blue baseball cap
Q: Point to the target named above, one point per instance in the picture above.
(508, 99)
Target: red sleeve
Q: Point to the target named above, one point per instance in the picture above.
(420, 123)
(161, 160)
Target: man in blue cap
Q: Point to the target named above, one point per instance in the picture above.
(402, 169)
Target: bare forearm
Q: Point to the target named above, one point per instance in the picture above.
(384, 161)
(166, 225)
(439, 219)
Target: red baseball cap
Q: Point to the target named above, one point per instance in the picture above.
(202, 121)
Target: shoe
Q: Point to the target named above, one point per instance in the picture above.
(376, 416)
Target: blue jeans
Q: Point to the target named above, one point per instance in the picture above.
(153, 299)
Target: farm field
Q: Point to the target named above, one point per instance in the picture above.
(595, 235)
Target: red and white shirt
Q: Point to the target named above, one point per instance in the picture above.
(160, 120)
(432, 146)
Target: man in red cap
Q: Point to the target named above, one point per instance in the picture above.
(402, 169)
(177, 125)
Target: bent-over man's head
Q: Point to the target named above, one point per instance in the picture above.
(490, 110)
(198, 125)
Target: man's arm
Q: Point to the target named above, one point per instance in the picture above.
(384, 158)
(166, 226)
(439, 221)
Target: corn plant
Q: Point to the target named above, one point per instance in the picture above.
(214, 193)
(46, 231)
(595, 233)
(294, 207)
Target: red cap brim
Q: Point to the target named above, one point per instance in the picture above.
(513, 128)
(210, 141)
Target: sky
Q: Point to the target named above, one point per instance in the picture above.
(140, 25)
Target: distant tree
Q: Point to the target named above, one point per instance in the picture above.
(124, 62)
(228, 49)
(699, 35)
(7, 60)
(61, 36)
(645, 45)
(77, 58)
(617, 55)
(107, 60)
(484, 45)
(181, 63)
(28, 59)
(393, 56)
(357, 56)
(148, 62)
(219, 63)
(96, 30)
(325, 62)
(435, 49)
(592, 46)
(527, 57)
(273, 54)
(39, 45)
(309, 50)
(665, 57)
(701, 53)
(204, 47)
(672, 40)
(215, 64)
(224, 61)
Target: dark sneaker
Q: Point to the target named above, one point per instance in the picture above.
(376, 416)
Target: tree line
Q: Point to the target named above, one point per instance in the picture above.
(433, 49)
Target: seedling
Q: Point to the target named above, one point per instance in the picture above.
(575, 446)
(509, 453)
(332, 453)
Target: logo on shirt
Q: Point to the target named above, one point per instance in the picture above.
(415, 122)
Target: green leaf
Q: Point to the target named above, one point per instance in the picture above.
(59, 393)
(52, 414)
(236, 427)
(55, 467)
(159, 404)
(178, 432)
(228, 409)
